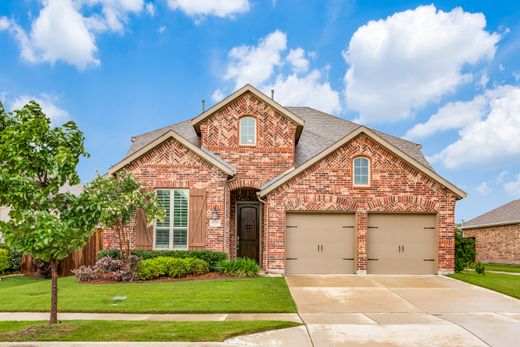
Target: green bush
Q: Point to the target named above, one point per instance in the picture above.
(464, 250)
(170, 267)
(480, 269)
(15, 259)
(4, 261)
(239, 267)
(212, 258)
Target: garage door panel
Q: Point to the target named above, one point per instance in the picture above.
(402, 244)
(319, 243)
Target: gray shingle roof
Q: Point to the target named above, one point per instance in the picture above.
(320, 131)
(503, 215)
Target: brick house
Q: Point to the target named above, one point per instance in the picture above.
(496, 234)
(299, 190)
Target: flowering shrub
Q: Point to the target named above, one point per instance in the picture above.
(107, 269)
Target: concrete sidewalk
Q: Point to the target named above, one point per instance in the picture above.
(25, 316)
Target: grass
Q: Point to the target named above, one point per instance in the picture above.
(502, 283)
(253, 295)
(502, 267)
(135, 331)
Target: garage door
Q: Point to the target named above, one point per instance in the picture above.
(319, 243)
(402, 244)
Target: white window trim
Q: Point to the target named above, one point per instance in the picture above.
(354, 172)
(240, 131)
(171, 227)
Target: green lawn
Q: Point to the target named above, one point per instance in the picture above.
(133, 330)
(207, 296)
(502, 267)
(506, 284)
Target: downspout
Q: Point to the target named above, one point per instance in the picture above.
(266, 223)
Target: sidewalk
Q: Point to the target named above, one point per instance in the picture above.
(25, 316)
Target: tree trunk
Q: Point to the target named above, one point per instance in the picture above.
(54, 292)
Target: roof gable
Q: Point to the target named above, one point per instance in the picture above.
(202, 152)
(273, 184)
(248, 88)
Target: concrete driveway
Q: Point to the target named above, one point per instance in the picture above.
(342, 310)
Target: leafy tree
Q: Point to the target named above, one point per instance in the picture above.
(37, 160)
(464, 250)
(120, 196)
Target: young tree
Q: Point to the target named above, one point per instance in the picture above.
(36, 160)
(120, 196)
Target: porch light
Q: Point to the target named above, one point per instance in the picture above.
(214, 214)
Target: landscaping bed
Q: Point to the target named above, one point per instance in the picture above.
(239, 295)
(139, 330)
(502, 283)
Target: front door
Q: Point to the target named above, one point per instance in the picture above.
(248, 231)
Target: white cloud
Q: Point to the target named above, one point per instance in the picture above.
(513, 187)
(255, 64)
(491, 140)
(161, 29)
(210, 7)
(296, 58)
(48, 104)
(454, 115)
(61, 32)
(309, 90)
(484, 79)
(150, 9)
(402, 63)
(501, 177)
(263, 67)
(483, 189)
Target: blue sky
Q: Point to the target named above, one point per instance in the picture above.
(443, 74)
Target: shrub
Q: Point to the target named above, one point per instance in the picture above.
(239, 267)
(480, 269)
(15, 260)
(212, 258)
(170, 267)
(4, 261)
(105, 268)
(464, 250)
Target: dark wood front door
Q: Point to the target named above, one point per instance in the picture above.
(248, 231)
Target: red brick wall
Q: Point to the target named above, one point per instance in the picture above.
(172, 165)
(498, 244)
(396, 186)
(274, 149)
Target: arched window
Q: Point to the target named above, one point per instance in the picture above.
(248, 131)
(361, 171)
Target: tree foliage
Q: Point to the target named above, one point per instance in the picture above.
(464, 250)
(37, 162)
(120, 196)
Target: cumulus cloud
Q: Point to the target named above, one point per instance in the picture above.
(483, 189)
(48, 104)
(513, 187)
(150, 9)
(454, 115)
(265, 66)
(492, 139)
(255, 64)
(204, 8)
(60, 32)
(411, 58)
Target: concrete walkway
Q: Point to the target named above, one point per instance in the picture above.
(403, 311)
(25, 316)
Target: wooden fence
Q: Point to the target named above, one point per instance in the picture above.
(85, 256)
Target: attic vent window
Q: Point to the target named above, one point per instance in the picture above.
(248, 131)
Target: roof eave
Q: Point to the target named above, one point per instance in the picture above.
(487, 225)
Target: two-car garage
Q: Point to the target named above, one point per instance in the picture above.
(326, 243)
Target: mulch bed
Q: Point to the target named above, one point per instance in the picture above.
(204, 277)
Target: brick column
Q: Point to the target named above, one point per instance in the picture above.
(361, 238)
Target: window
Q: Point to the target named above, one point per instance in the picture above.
(361, 171)
(248, 131)
(172, 232)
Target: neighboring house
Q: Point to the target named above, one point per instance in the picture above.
(299, 190)
(496, 234)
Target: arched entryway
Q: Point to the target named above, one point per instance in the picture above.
(246, 225)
